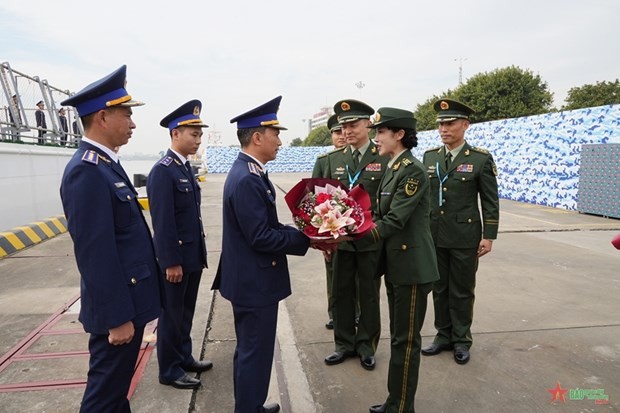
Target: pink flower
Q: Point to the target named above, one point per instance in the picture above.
(336, 222)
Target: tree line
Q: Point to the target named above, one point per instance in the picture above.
(504, 93)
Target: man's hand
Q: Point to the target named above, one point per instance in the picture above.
(122, 334)
(485, 246)
(330, 244)
(174, 274)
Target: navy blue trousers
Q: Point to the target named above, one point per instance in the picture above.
(256, 334)
(110, 372)
(174, 342)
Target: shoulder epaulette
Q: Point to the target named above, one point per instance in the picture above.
(481, 150)
(91, 156)
(336, 150)
(433, 149)
(166, 160)
(322, 155)
(254, 169)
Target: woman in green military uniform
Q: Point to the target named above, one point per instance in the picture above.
(408, 256)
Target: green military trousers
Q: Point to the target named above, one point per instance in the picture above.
(351, 268)
(407, 305)
(453, 295)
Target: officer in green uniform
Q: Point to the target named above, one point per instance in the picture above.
(408, 254)
(322, 170)
(460, 175)
(361, 164)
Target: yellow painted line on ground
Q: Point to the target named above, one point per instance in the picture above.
(12, 238)
(45, 228)
(30, 234)
(59, 225)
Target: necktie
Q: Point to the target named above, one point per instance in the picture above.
(356, 155)
(448, 160)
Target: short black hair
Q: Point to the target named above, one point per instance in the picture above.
(245, 135)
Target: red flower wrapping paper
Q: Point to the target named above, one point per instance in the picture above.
(325, 209)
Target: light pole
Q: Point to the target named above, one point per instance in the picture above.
(360, 85)
(460, 60)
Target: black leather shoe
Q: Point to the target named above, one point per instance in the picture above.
(368, 362)
(199, 366)
(184, 382)
(271, 408)
(434, 348)
(461, 354)
(338, 357)
(330, 324)
(378, 408)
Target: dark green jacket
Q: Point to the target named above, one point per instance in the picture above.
(322, 165)
(403, 223)
(472, 175)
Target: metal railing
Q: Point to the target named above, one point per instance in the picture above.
(18, 118)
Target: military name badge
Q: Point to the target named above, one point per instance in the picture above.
(411, 187)
(466, 167)
(373, 167)
(183, 180)
(120, 184)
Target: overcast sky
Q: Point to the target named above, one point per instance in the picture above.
(235, 55)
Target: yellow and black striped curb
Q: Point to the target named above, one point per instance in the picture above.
(21, 237)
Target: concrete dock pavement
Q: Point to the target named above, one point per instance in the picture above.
(546, 329)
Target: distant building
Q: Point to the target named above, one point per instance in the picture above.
(320, 118)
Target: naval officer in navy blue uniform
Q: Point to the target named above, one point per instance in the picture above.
(253, 271)
(119, 276)
(178, 233)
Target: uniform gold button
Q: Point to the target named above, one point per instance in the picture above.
(403, 247)
(445, 189)
(469, 220)
(462, 179)
(372, 179)
(180, 242)
(128, 196)
(441, 212)
(273, 263)
(186, 189)
(134, 281)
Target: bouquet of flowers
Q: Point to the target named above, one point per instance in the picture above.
(325, 209)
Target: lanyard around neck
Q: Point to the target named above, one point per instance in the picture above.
(441, 181)
(352, 179)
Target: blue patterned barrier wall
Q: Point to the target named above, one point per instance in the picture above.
(537, 157)
(289, 159)
(599, 180)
